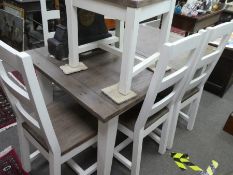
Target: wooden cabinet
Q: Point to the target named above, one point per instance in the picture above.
(222, 76)
(193, 24)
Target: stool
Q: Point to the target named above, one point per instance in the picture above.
(130, 13)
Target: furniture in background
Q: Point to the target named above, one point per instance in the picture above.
(222, 76)
(47, 15)
(12, 30)
(131, 12)
(1, 4)
(59, 131)
(227, 14)
(199, 74)
(91, 26)
(194, 24)
(229, 125)
(221, 79)
(33, 23)
(157, 108)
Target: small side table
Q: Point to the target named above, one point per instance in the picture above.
(130, 12)
(193, 24)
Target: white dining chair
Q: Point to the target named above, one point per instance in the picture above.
(157, 107)
(188, 103)
(59, 131)
(46, 16)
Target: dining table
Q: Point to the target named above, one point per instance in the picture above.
(85, 87)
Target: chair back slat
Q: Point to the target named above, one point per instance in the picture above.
(27, 101)
(196, 81)
(16, 80)
(28, 118)
(15, 90)
(162, 103)
(175, 80)
(208, 59)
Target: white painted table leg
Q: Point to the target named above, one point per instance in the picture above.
(72, 28)
(166, 25)
(129, 49)
(46, 88)
(106, 142)
(120, 33)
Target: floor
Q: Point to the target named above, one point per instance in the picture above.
(205, 143)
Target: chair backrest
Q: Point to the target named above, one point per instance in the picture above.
(46, 16)
(27, 97)
(175, 80)
(208, 60)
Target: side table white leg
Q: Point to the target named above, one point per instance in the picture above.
(72, 27)
(129, 49)
(106, 143)
(121, 92)
(120, 33)
(166, 25)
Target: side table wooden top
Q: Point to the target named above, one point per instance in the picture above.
(133, 3)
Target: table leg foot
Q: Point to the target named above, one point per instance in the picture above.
(67, 69)
(113, 93)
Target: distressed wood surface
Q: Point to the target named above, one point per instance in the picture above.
(85, 87)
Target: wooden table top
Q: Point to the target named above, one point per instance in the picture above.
(133, 3)
(85, 87)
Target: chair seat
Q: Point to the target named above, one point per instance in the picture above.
(128, 119)
(133, 3)
(73, 125)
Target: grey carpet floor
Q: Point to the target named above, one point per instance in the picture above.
(205, 143)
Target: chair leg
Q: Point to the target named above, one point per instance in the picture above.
(24, 149)
(137, 153)
(193, 112)
(173, 125)
(165, 133)
(54, 165)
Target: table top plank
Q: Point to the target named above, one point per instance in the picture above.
(85, 87)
